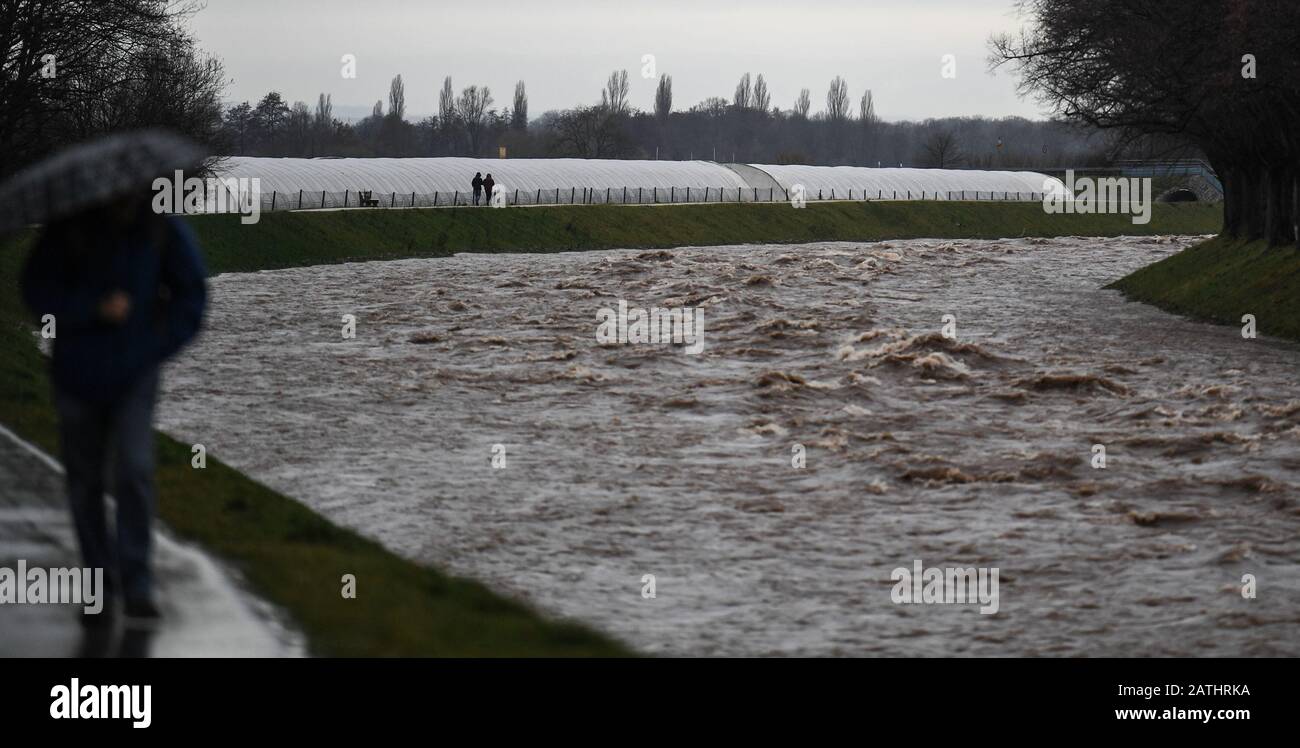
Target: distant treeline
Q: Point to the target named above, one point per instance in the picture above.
(745, 128)
(76, 69)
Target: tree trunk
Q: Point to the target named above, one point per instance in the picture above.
(1254, 203)
(1269, 195)
(1232, 194)
(1278, 223)
(1295, 207)
(1272, 211)
(1248, 203)
(1286, 206)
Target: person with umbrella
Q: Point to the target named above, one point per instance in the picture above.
(126, 287)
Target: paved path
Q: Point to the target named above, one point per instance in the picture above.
(206, 614)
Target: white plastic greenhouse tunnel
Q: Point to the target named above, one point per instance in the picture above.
(316, 183)
(862, 183)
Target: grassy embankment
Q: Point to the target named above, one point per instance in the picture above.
(1220, 280)
(294, 557)
(314, 237)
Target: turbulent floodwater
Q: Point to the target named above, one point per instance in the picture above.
(634, 460)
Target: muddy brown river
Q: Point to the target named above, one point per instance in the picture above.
(622, 461)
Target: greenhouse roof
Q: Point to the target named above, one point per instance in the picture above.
(546, 180)
(861, 180)
(426, 175)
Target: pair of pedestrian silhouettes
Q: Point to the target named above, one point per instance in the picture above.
(481, 185)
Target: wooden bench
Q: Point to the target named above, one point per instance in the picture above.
(366, 201)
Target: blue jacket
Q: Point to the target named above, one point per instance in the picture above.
(157, 263)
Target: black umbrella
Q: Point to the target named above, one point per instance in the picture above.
(89, 174)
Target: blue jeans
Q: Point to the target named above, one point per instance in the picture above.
(90, 433)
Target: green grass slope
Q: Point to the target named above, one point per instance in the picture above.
(289, 239)
(1221, 280)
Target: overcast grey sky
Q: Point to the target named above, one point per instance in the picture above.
(565, 50)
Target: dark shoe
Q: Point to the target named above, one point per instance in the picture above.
(141, 614)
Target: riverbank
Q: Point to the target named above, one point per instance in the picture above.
(294, 557)
(1221, 280)
(287, 553)
(291, 239)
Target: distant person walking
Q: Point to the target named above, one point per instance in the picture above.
(488, 184)
(478, 185)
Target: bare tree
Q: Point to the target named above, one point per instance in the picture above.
(298, 130)
(446, 102)
(322, 123)
(867, 109)
(802, 103)
(761, 100)
(397, 98)
(238, 125)
(589, 132)
(1173, 72)
(744, 93)
(519, 112)
(614, 96)
(942, 150)
(869, 125)
(269, 119)
(377, 111)
(324, 112)
(837, 100)
(714, 107)
(448, 125)
(471, 109)
(664, 97)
